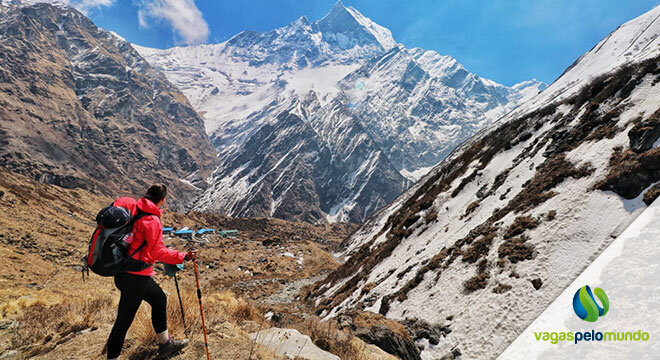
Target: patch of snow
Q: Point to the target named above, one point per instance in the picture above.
(627, 271)
(322, 80)
(416, 174)
(117, 36)
(189, 183)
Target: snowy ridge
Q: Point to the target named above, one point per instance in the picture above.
(634, 41)
(383, 35)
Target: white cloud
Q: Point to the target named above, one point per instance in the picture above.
(84, 6)
(183, 15)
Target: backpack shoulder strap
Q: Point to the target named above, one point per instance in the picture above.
(140, 214)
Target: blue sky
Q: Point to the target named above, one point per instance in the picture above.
(504, 40)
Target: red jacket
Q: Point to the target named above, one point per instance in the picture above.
(149, 229)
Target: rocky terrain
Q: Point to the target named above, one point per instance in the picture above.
(251, 283)
(334, 103)
(80, 108)
(47, 311)
(514, 214)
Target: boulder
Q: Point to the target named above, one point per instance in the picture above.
(386, 339)
(644, 135)
(291, 343)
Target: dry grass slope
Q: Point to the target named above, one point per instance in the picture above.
(47, 311)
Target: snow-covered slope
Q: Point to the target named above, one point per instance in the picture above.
(629, 272)
(411, 107)
(486, 240)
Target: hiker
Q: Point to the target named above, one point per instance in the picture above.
(139, 285)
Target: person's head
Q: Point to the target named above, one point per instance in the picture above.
(157, 194)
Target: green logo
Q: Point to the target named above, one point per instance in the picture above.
(585, 305)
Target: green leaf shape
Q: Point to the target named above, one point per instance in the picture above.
(589, 305)
(604, 300)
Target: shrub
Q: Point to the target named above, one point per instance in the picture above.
(479, 248)
(651, 194)
(520, 224)
(368, 287)
(470, 208)
(475, 283)
(516, 250)
(630, 173)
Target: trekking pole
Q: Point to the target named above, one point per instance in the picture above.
(178, 293)
(201, 309)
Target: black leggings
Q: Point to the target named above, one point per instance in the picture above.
(134, 289)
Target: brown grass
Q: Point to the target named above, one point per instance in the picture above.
(520, 224)
(368, 287)
(471, 208)
(479, 248)
(41, 281)
(365, 319)
(41, 326)
(219, 308)
(516, 250)
(630, 173)
(477, 282)
(651, 194)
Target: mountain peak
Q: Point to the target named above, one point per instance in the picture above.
(339, 5)
(351, 25)
(301, 21)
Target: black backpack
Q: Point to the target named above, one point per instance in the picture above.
(108, 247)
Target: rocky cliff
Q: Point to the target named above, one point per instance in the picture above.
(81, 108)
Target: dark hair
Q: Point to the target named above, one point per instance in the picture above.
(156, 193)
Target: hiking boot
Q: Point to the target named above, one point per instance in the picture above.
(170, 348)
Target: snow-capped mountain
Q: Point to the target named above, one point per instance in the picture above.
(418, 105)
(408, 108)
(489, 237)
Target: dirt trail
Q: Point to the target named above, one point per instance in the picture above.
(288, 293)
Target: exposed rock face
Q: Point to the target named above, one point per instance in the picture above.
(512, 216)
(387, 340)
(406, 110)
(645, 135)
(292, 169)
(388, 335)
(81, 108)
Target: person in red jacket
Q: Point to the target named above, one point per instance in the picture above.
(138, 286)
